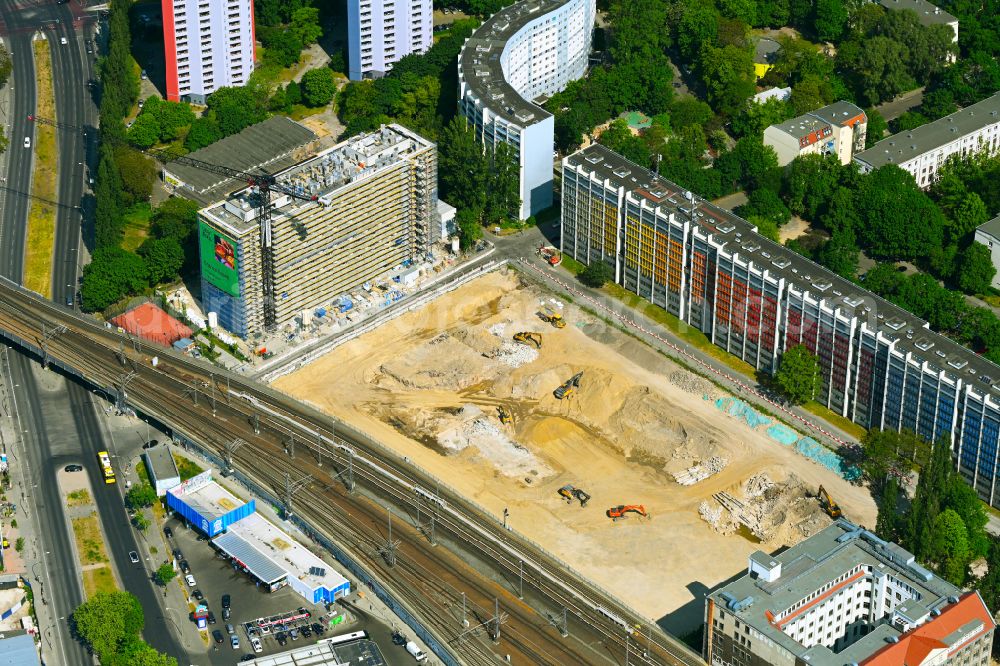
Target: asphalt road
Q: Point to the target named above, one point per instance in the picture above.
(62, 426)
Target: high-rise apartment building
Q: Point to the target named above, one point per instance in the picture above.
(523, 52)
(844, 596)
(923, 150)
(380, 32)
(375, 209)
(882, 367)
(208, 44)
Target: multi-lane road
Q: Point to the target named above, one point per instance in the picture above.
(60, 426)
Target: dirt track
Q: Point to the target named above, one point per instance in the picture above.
(428, 384)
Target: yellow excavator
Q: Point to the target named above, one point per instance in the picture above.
(569, 493)
(504, 415)
(567, 389)
(550, 316)
(529, 337)
(827, 504)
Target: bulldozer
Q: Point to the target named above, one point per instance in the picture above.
(616, 512)
(827, 504)
(569, 493)
(567, 389)
(550, 316)
(526, 337)
(504, 415)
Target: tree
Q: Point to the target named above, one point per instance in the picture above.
(106, 620)
(4, 141)
(798, 375)
(728, 76)
(305, 26)
(112, 274)
(164, 258)
(204, 131)
(137, 172)
(765, 203)
(145, 132)
(975, 269)
(462, 168)
(809, 183)
(165, 573)
(963, 500)
(899, 221)
(503, 200)
(6, 66)
(470, 230)
(877, 68)
(840, 254)
(926, 505)
(19, 544)
(888, 511)
(318, 87)
(830, 20)
(141, 522)
(109, 198)
(597, 274)
(282, 48)
(949, 547)
(140, 495)
(689, 111)
(807, 95)
(236, 108)
(910, 120)
(882, 459)
(877, 127)
(755, 118)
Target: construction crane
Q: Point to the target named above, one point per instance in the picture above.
(262, 186)
(616, 512)
(827, 504)
(525, 337)
(504, 415)
(569, 493)
(550, 316)
(567, 389)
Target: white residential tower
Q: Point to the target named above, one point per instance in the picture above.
(380, 32)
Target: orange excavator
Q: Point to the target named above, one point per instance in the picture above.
(616, 512)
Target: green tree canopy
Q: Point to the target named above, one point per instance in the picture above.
(164, 258)
(165, 573)
(204, 131)
(975, 269)
(899, 221)
(318, 87)
(140, 495)
(107, 620)
(597, 274)
(236, 108)
(112, 274)
(798, 375)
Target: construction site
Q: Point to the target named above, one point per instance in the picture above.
(630, 468)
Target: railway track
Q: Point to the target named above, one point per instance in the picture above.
(213, 407)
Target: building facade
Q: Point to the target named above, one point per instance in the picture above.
(923, 150)
(988, 234)
(526, 51)
(836, 129)
(380, 32)
(882, 367)
(208, 44)
(375, 210)
(844, 596)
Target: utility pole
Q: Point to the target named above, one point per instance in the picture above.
(228, 449)
(520, 579)
(388, 549)
(290, 446)
(288, 492)
(120, 394)
(49, 333)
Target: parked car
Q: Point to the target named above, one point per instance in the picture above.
(294, 634)
(255, 643)
(211, 617)
(133, 557)
(153, 442)
(226, 601)
(167, 532)
(226, 613)
(143, 75)
(27, 142)
(235, 641)
(217, 635)
(189, 579)
(185, 567)
(73, 468)
(198, 595)
(306, 632)
(318, 628)
(62, 40)
(282, 639)
(178, 554)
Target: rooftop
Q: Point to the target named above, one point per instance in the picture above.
(992, 227)
(802, 126)
(18, 651)
(284, 552)
(766, 50)
(205, 496)
(151, 322)
(479, 62)
(904, 146)
(161, 461)
(929, 14)
(362, 652)
(838, 113)
(911, 334)
(818, 561)
(267, 144)
(321, 176)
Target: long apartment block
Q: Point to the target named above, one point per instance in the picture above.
(923, 150)
(208, 44)
(375, 208)
(882, 366)
(380, 32)
(524, 52)
(844, 596)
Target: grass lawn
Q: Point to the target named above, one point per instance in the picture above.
(42, 211)
(89, 540)
(136, 225)
(98, 579)
(78, 498)
(848, 426)
(300, 111)
(187, 468)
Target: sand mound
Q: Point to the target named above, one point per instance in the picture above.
(444, 362)
(775, 513)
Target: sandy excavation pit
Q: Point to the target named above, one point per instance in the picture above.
(429, 383)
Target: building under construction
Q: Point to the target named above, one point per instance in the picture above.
(374, 210)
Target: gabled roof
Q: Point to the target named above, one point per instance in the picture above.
(957, 625)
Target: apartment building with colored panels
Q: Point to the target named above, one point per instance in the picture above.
(882, 367)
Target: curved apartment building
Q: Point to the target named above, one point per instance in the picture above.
(524, 52)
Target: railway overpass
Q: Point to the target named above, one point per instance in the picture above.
(483, 593)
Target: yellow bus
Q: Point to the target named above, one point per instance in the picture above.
(105, 460)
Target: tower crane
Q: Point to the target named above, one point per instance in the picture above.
(262, 185)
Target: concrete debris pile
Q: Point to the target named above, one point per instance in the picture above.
(772, 512)
(474, 429)
(701, 471)
(687, 381)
